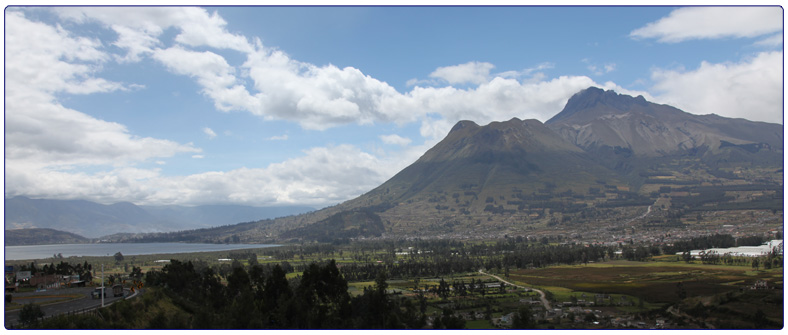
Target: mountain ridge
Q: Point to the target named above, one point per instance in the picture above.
(594, 118)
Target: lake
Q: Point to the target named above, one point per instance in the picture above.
(109, 249)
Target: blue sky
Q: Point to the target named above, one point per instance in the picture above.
(313, 106)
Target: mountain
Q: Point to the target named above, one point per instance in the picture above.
(606, 165)
(36, 236)
(638, 138)
(497, 167)
(594, 119)
(94, 220)
(601, 161)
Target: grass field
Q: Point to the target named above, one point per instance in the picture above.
(654, 282)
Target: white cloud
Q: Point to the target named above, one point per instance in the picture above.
(775, 40)
(119, 184)
(322, 176)
(41, 62)
(471, 72)
(751, 89)
(278, 138)
(690, 23)
(138, 28)
(597, 69)
(534, 72)
(395, 139)
(317, 97)
(212, 72)
(198, 156)
(208, 131)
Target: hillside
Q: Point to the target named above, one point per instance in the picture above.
(37, 236)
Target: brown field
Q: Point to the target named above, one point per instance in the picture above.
(653, 282)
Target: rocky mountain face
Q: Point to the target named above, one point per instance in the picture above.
(474, 163)
(596, 120)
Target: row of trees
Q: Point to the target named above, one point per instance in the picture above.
(261, 296)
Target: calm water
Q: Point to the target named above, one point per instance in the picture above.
(109, 249)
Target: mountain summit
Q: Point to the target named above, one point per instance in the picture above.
(595, 119)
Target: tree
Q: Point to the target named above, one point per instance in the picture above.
(136, 273)
(448, 321)
(523, 318)
(680, 291)
(323, 291)
(30, 314)
(443, 289)
(118, 257)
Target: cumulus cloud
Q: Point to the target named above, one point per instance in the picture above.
(531, 74)
(208, 131)
(43, 61)
(471, 72)
(322, 176)
(138, 28)
(278, 138)
(690, 23)
(598, 69)
(775, 40)
(751, 88)
(395, 139)
(316, 97)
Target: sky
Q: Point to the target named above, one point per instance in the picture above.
(272, 106)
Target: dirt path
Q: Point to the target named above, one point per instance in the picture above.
(648, 211)
(541, 293)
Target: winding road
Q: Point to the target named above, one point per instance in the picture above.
(542, 297)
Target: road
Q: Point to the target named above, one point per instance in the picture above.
(86, 302)
(648, 211)
(542, 297)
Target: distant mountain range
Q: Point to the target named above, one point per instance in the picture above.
(93, 220)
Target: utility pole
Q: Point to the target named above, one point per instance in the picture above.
(102, 285)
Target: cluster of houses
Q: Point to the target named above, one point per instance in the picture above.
(16, 279)
(582, 312)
